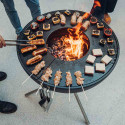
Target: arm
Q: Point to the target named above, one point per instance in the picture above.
(2, 42)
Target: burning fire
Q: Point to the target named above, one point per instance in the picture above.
(96, 3)
(74, 44)
(78, 26)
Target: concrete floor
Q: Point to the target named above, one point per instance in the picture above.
(106, 104)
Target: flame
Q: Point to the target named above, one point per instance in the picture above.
(96, 4)
(86, 15)
(74, 44)
(78, 26)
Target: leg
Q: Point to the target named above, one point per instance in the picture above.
(3, 76)
(82, 109)
(34, 7)
(7, 107)
(12, 14)
(99, 11)
(110, 6)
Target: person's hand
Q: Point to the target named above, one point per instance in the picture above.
(2, 42)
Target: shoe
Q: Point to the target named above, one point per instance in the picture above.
(107, 18)
(7, 107)
(2, 76)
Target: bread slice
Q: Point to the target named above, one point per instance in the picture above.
(91, 59)
(100, 25)
(67, 12)
(97, 52)
(27, 32)
(110, 40)
(31, 37)
(46, 26)
(100, 67)
(89, 70)
(102, 41)
(96, 32)
(111, 52)
(106, 59)
(39, 33)
(55, 20)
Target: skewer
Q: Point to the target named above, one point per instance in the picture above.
(84, 93)
(53, 91)
(26, 79)
(69, 93)
(57, 80)
(69, 83)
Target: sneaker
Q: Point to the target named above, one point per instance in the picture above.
(107, 18)
(3, 76)
(7, 107)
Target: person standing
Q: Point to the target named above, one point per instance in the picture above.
(13, 15)
(105, 7)
(5, 107)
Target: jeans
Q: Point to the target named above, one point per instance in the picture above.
(13, 15)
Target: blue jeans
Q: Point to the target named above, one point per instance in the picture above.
(13, 15)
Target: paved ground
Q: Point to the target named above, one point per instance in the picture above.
(106, 105)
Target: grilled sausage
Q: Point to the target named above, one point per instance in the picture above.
(39, 51)
(86, 25)
(63, 19)
(73, 19)
(79, 20)
(27, 49)
(37, 42)
(34, 60)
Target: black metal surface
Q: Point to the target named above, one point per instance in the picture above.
(71, 66)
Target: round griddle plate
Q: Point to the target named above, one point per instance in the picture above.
(71, 66)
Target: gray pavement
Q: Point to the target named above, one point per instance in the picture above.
(106, 104)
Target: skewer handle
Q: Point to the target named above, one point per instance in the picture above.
(26, 79)
(53, 92)
(69, 93)
(84, 93)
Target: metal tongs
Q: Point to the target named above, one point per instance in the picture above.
(9, 43)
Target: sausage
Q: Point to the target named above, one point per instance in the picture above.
(63, 19)
(34, 60)
(37, 42)
(39, 51)
(27, 49)
(86, 25)
(80, 19)
(73, 19)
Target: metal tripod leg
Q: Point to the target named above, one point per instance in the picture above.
(82, 109)
(31, 92)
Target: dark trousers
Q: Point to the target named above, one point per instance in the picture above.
(107, 6)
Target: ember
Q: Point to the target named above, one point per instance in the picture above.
(68, 44)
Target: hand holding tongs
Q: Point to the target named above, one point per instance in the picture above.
(17, 44)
